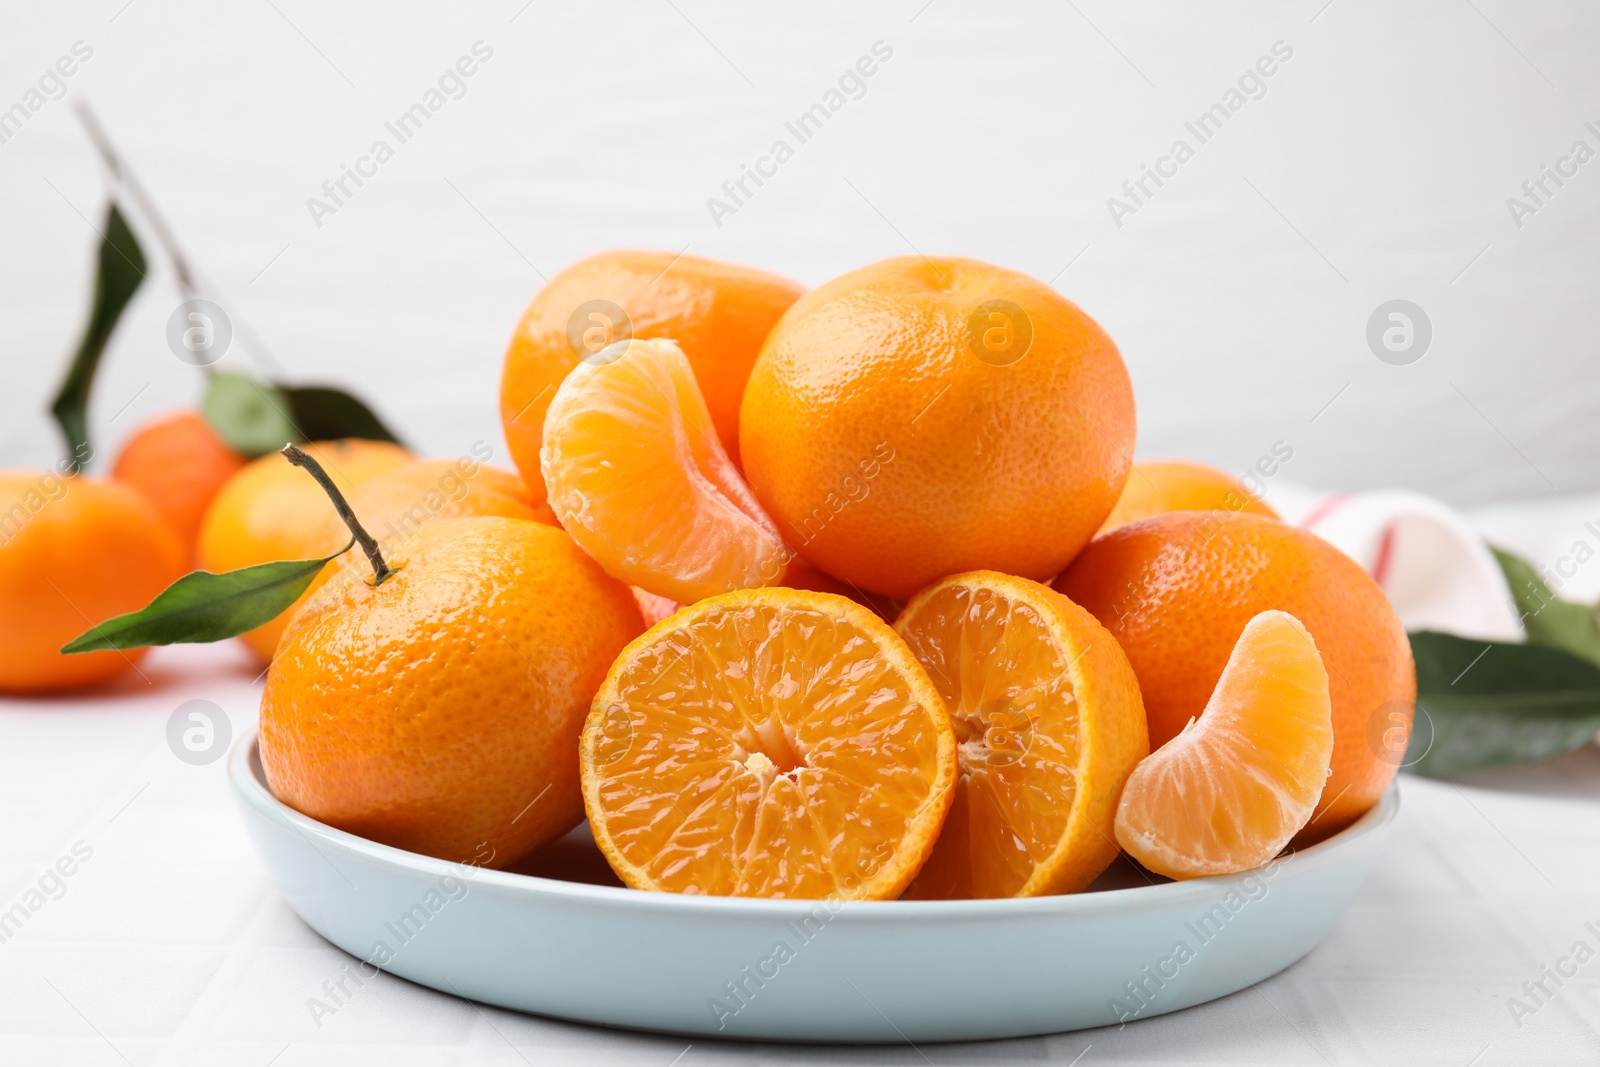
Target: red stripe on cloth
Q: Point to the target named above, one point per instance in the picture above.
(1380, 566)
(1324, 509)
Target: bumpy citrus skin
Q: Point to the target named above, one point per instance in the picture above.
(273, 510)
(179, 463)
(1178, 485)
(771, 742)
(439, 711)
(396, 505)
(719, 313)
(893, 449)
(73, 552)
(1048, 723)
(1177, 589)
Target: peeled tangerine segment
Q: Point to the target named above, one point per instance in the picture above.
(768, 743)
(1049, 723)
(638, 477)
(1229, 792)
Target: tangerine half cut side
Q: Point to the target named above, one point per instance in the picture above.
(771, 742)
(1049, 724)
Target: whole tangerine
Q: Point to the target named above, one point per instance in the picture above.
(179, 463)
(74, 552)
(439, 709)
(921, 417)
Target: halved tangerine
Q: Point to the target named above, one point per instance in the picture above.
(1049, 724)
(768, 743)
(1236, 784)
(637, 475)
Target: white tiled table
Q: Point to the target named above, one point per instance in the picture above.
(170, 946)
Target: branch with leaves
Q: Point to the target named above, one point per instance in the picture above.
(253, 417)
(119, 272)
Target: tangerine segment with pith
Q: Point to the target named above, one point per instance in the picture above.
(768, 743)
(1176, 590)
(637, 476)
(1229, 792)
(719, 313)
(1049, 724)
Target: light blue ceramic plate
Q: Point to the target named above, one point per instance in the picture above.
(564, 939)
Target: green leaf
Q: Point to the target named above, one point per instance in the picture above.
(251, 417)
(323, 413)
(255, 418)
(1482, 703)
(202, 607)
(1548, 619)
(118, 276)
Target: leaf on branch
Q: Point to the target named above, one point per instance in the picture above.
(252, 418)
(118, 275)
(255, 418)
(326, 414)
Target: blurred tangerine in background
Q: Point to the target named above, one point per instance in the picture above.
(74, 551)
(179, 463)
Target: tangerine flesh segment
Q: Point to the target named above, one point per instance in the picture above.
(768, 743)
(1049, 723)
(637, 475)
(1235, 785)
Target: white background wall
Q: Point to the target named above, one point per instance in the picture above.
(1376, 166)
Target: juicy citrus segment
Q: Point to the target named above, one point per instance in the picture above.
(768, 743)
(1049, 723)
(638, 478)
(718, 313)
(1229, 792)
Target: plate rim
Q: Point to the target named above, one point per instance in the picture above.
(247, 778)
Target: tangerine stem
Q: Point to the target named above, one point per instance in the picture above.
(380, 569)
